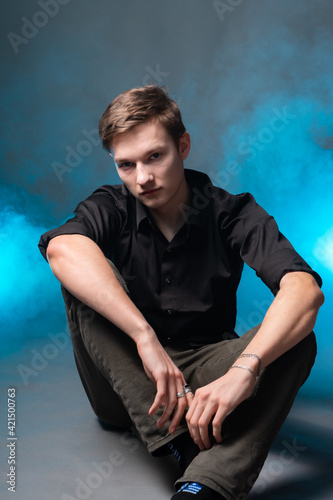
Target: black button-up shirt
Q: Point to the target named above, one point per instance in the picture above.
(186, 289)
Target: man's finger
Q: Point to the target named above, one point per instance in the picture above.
(217, 425)
(203, 424)
(192, 418)
(189, 398)
(178, 413)
(170, 403)
(160, 398)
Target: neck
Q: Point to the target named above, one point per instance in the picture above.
(170, 225)
(170, 219)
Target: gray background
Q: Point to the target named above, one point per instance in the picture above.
(254, 81)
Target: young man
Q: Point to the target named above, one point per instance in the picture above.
(149, 271)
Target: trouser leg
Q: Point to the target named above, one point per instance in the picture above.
(104, 401)
(121, 393)
(232, 467)
(112, 374)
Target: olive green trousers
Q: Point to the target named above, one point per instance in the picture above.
(121, 394)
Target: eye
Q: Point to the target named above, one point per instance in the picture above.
(125, 165)
(154, 156)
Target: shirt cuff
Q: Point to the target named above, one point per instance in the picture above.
(280, 263)
(67, 228)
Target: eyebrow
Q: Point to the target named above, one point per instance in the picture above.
(120, 160)
(146, 153)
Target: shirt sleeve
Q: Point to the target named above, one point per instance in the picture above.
(97, 218)
(254, 234)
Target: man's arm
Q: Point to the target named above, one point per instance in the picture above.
(80, 265)
(290, 318)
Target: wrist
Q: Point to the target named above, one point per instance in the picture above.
(144, 334)
(250, 361)
(245, 369)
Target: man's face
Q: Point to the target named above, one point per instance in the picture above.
(151, 166)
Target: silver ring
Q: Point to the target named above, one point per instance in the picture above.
(187, 389)
(180, 394)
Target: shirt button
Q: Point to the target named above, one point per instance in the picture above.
(167, 281)
(169, 311)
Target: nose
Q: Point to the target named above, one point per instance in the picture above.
(143, 174)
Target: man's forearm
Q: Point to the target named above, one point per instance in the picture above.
(80, 265)
(289, 319)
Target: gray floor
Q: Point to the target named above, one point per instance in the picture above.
(62, 451)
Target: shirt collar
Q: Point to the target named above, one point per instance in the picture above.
(198, 210)
(141, 213)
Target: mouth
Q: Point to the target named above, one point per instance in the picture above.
(150, 192)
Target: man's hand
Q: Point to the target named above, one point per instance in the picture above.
(291, 316)
(217, 400)
(82, 268)
(168, 379)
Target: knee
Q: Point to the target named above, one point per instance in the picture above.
(307, 353)
(306, 350)
(119, 277)
(299, 360)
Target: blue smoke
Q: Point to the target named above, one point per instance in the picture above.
(255, 89)
(29, 295)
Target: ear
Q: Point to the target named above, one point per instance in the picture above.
(184, 145)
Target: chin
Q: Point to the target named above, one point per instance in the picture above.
(153, 204)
